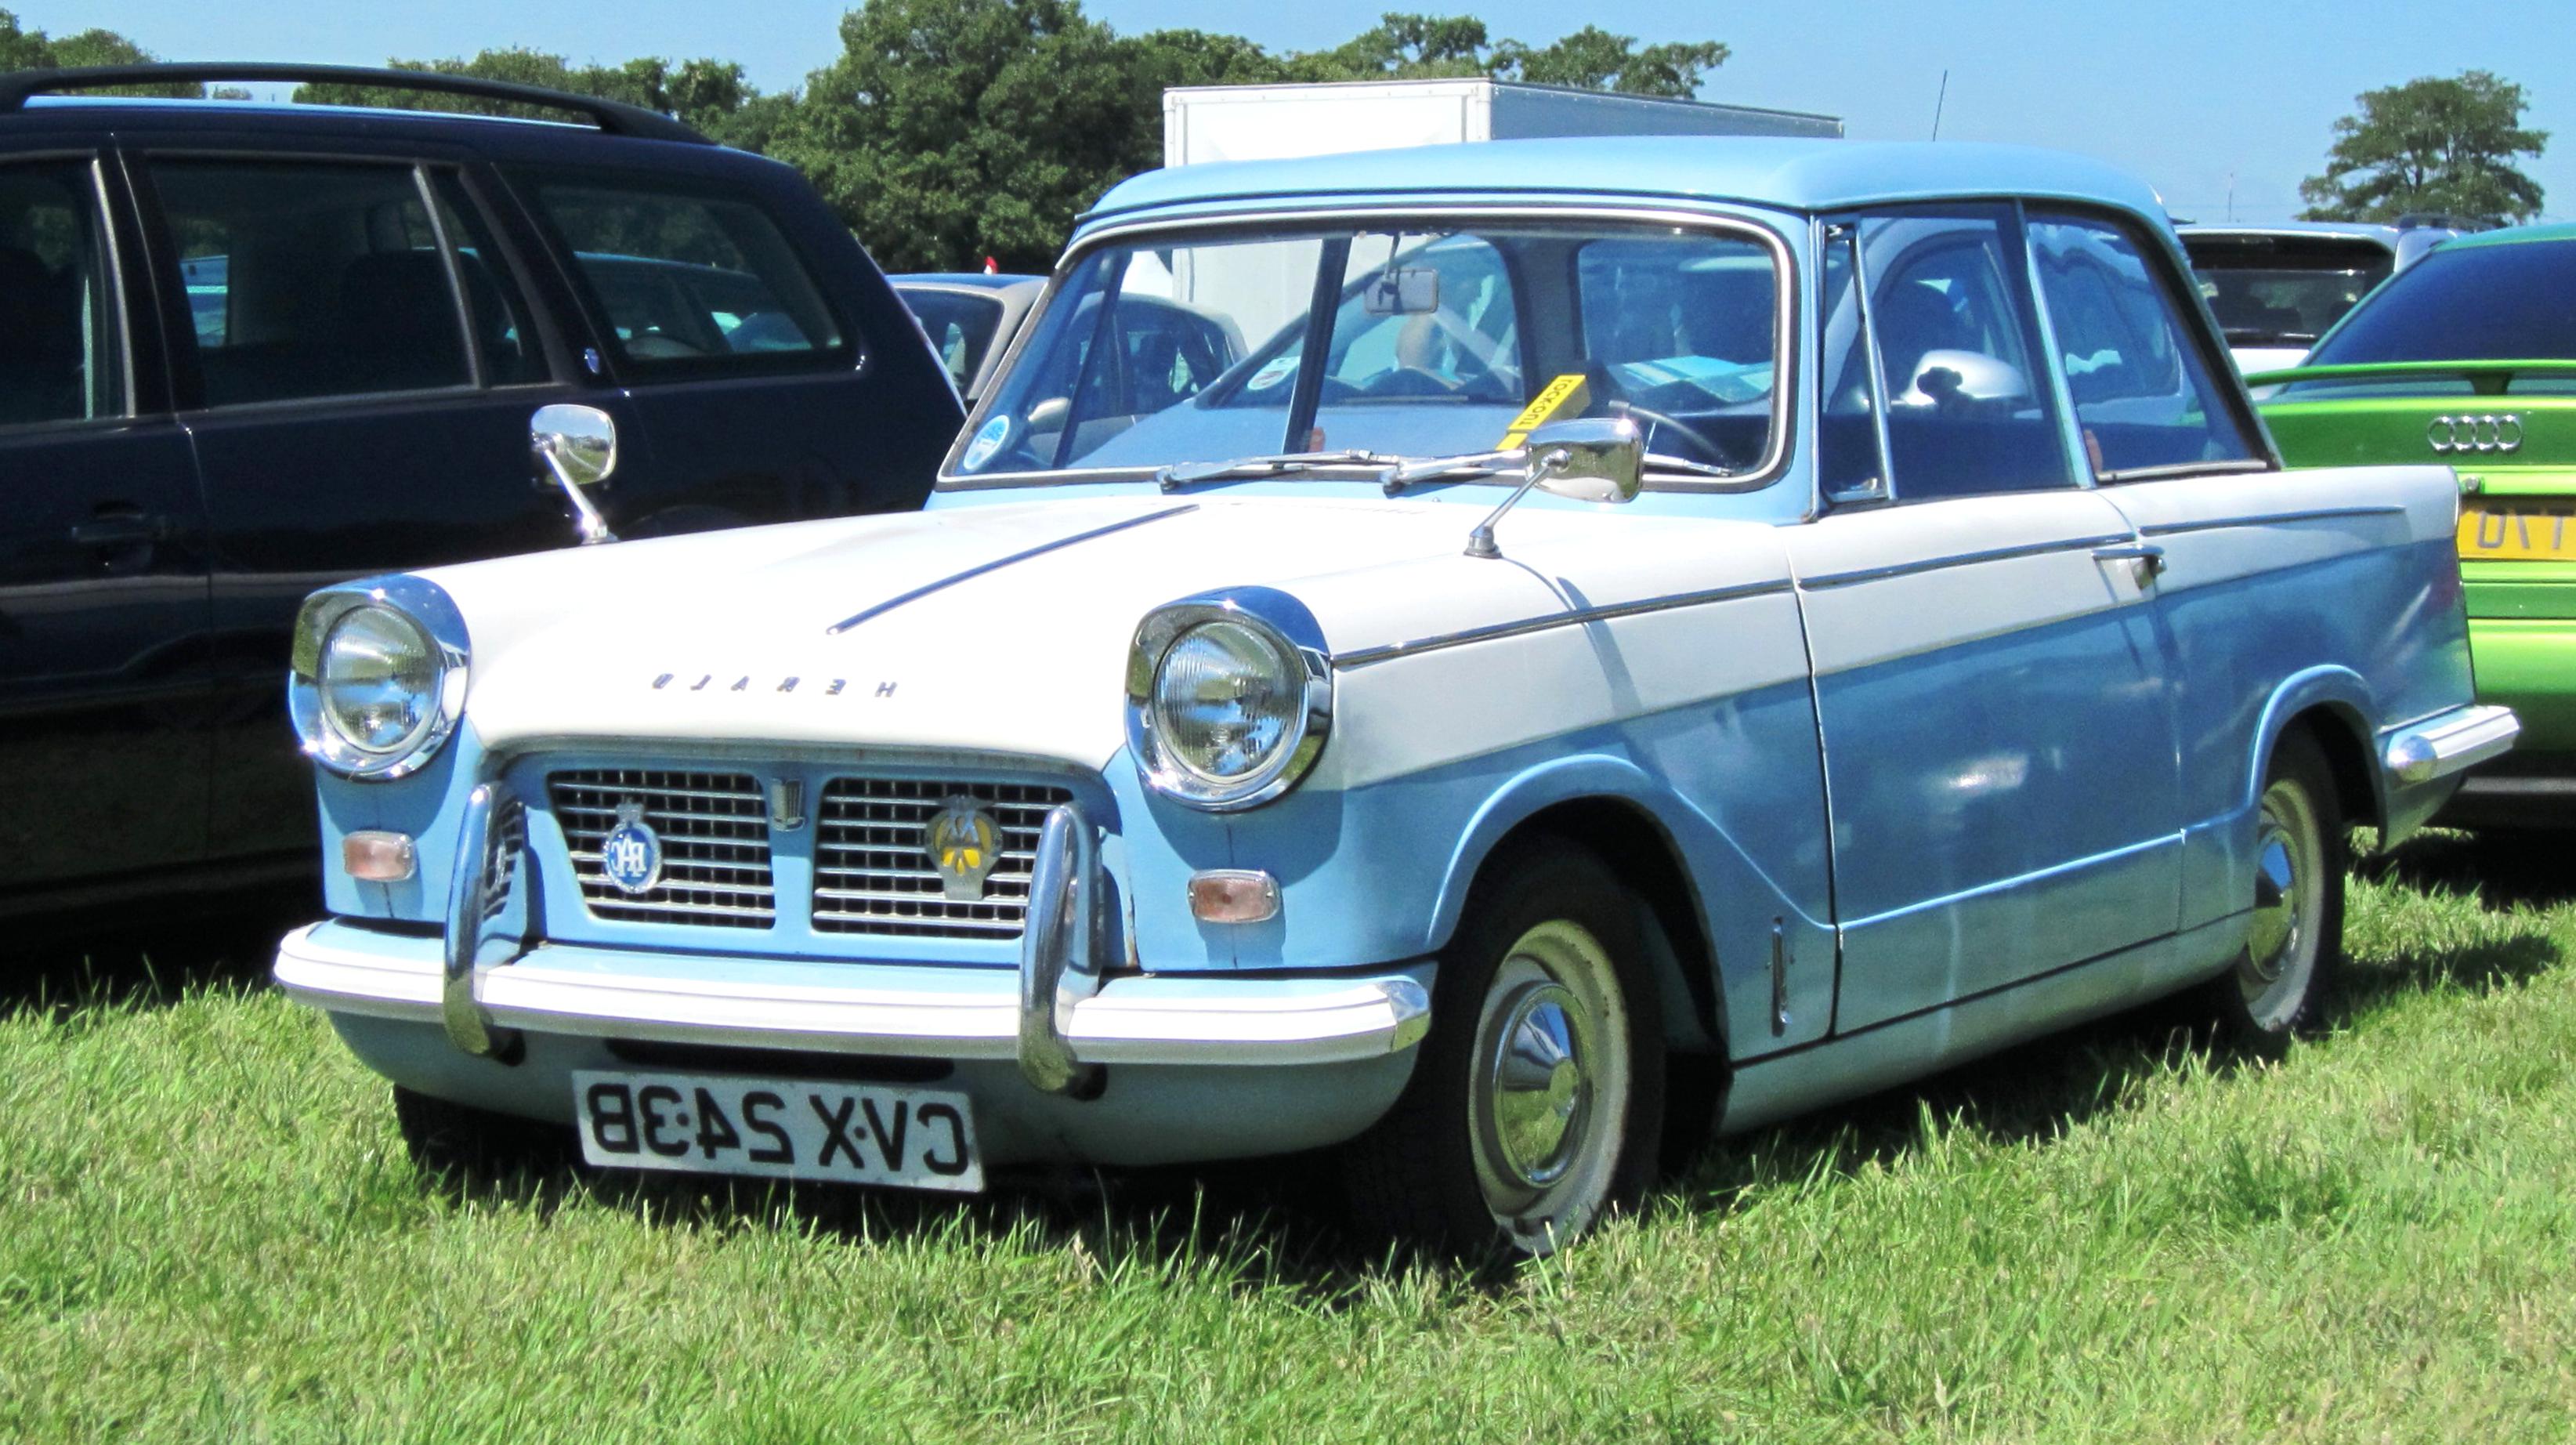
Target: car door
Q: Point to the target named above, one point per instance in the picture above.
(103, 677)
(2172, 446)
(772, 369)
(356, 369)
(1993, 697)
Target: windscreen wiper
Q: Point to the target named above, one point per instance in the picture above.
(1183, 474)
(1485, 464)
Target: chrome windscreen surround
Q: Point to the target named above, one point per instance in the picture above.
(1291, 630)
(425, 605)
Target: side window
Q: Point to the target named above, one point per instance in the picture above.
(1961, 376)
(311, 280)
(58, 333)
(2143, 396)
(960, 326)
(689, 281)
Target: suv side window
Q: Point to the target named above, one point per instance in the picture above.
(688, 281)
(2143, 396)
(311, 279)
(1962, 379)
(58, 332)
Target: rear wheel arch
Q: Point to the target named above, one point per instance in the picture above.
(2342, 735)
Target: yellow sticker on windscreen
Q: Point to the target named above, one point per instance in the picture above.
(1566, 396)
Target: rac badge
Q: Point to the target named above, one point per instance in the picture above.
(965, 846)
(631, 854)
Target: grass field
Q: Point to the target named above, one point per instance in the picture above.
(209, 1231)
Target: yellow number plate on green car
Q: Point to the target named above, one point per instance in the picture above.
(2494, 533)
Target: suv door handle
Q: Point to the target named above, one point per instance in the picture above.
(121, 528)
(2147, 557)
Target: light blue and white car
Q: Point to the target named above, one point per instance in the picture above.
(1647, 630)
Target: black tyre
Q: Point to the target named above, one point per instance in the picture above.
(2295, 938)
(475, 1145)
(1537, 1102)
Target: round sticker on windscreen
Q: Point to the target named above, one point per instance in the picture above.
(988, 440)
(1272, 374)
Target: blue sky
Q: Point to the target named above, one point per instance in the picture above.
(2189, 95)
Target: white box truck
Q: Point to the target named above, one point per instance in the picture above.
(1270, 122)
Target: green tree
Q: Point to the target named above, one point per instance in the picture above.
(24, 49)
(1411, 47)
(2430, 145)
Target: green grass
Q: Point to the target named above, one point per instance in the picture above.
(209, 1230)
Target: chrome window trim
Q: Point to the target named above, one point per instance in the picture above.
(1415, 647)
(1961, 559)
(1787, 355)
(429, 608)
(112, 289)
(2070, 428)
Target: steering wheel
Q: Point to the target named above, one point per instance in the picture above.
(1659, 421)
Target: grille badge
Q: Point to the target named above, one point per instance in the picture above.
(787, 805)
(631, 855)
(965, 846)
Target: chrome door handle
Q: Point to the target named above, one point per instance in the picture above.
(2146, 558)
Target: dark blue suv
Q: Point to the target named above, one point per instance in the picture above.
(249, 350)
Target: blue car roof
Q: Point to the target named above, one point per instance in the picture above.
(1797, 175)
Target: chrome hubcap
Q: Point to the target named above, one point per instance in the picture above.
(1539, 1092)
(1549, 1093)
(2279, 950)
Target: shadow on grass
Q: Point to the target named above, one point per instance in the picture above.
(149, 955)
(2502, 867)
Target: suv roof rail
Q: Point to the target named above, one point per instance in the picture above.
(611, 116)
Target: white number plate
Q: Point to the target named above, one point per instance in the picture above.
(782, 1128)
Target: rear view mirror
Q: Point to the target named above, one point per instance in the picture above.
(1403, 291)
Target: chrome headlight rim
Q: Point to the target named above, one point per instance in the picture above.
(423, 606)
(1287, 629)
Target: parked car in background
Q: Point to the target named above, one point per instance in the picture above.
(248, 350)
(1599, 657)
(2276, 288)
(2469, 359)
(969, 317)
(971, 325)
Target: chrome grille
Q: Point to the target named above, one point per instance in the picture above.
(714, 829)
(872, 866)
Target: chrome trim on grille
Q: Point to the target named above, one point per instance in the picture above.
(873, 872)
(714, 830)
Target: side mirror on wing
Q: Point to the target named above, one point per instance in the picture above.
(576, 448)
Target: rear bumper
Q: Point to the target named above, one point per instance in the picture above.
(2529, 665)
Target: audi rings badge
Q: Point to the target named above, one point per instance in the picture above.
(2490, 433)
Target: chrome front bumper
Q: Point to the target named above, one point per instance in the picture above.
(1057, 1015)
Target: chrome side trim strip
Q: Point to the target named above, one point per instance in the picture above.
(1364, 656)
(998, 563)
(1961, 559)
(2167, 529)
(2448, 743)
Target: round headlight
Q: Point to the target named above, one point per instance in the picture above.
(379, 681)
(1225, 702)
(1224, 709)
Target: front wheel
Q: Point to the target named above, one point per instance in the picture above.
(1537, 1101)
(2294, 933)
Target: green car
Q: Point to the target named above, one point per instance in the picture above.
(2470, 357)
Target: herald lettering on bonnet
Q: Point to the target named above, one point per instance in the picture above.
(795, 682)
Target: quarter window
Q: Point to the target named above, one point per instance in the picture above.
(2144, 398)
(58, 338)
(1960, 380)
(689, 282)
(311, 280)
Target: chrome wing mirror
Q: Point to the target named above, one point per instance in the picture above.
(576, 447)
(1591, 459)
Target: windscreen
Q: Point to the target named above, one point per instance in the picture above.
(2284, 291)
(2509, 301)
(1404, 341)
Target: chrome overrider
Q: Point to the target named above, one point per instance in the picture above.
(1064, 1018)
(2448, 743)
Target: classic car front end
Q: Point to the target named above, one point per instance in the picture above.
(1597, 660)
